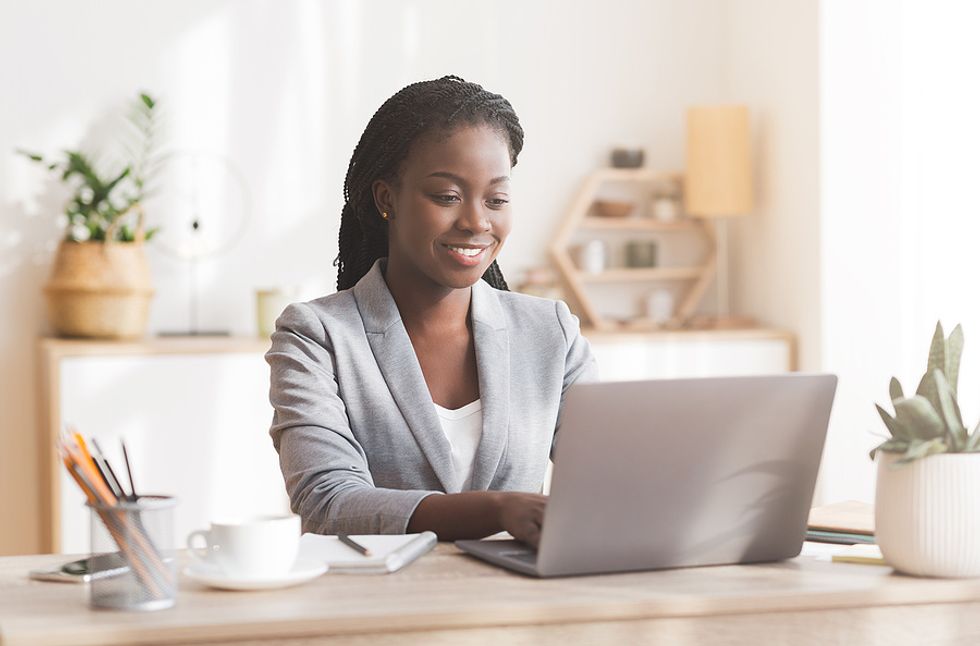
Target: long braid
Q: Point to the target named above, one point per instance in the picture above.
(417, 109)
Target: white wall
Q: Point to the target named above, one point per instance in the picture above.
(899, 214)
(284, 89)
(772, 66)
(861, 320)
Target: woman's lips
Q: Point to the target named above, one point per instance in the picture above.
(466, 256)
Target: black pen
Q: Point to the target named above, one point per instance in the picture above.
(354, 545)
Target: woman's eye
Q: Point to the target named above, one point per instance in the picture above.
(497, 202)
(445, 199)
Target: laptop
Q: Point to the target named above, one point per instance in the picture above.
(677, 473)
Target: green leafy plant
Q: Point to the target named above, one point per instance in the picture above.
(929, 421)
(108, 206)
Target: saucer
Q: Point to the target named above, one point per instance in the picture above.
(303, 570)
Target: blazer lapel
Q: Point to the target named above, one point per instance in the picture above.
(400, 367)
(493, 368)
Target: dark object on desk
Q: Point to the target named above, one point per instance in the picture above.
(354, 545)
(678, 473)
(627, 157)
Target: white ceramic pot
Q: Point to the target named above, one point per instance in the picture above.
(927, 514)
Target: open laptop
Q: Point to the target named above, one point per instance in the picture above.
(677, 473)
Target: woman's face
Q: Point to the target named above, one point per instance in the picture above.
(450, 210)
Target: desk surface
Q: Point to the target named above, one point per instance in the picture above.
(447, 597)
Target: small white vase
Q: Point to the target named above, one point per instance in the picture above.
(927, 514)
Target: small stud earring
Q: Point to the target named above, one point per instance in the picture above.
(384, 215)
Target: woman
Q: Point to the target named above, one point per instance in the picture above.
(420, 397)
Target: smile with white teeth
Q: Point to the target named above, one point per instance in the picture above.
(465, 251)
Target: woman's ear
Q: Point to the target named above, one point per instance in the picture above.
(384, 197)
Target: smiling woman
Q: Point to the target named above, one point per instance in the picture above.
(417, 378)
(454, 193)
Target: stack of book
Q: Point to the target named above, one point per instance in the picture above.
(843, 523)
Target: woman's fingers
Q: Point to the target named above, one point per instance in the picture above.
(532, 530)
(521, 515)
(533, 536)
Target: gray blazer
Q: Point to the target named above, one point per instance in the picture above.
(359, 441)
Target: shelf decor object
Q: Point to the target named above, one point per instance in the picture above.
(694, 279)
(719, 180)
(209, 203)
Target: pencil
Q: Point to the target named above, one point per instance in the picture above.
(129, 472)
(354, 545)
(114, 481)
(133, 541)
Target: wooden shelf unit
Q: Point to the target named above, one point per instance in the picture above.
(642, 274)
(580, 218)
(638, 224)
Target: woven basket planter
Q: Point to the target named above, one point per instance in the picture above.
(100, 290)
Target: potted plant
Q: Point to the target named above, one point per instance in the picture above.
(927, 511)
(100, 284)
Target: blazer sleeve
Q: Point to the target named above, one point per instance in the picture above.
(325, 468)
(580, 364)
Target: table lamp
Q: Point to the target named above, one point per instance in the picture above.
(718, 183)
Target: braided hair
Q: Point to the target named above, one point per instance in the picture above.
(420, 108)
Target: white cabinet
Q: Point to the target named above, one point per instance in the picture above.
(195, 415)
(626, 356)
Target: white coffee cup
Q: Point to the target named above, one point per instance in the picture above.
(257, 547)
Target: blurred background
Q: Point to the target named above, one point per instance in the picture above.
(863, 137)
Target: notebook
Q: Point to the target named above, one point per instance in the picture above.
(389, 552)
(844, 523)
(850, 516)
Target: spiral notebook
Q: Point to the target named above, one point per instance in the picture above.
(389, 552)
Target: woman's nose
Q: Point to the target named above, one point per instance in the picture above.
(474, 218)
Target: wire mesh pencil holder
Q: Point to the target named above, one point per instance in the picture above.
(132, 557)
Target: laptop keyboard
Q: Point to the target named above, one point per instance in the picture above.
(524, 556)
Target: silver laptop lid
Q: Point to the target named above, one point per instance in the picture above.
(672, 473)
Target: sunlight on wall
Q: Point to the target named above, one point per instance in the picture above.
(899, 219)
(940, 209)
(199, 85)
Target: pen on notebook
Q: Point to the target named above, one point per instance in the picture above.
(354, 545)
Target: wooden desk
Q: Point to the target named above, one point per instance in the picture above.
(448, 598)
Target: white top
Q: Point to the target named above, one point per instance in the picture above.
(463, 428)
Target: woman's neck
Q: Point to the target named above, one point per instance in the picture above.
(425, 305)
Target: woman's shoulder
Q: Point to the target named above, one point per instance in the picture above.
(526, 302)
(525, 311)
(314, 317)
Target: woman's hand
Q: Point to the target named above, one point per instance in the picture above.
(475, 514)
(520, 514)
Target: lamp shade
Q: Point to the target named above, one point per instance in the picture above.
(718, 183)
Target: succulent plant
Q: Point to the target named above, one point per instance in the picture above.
(929, 421)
